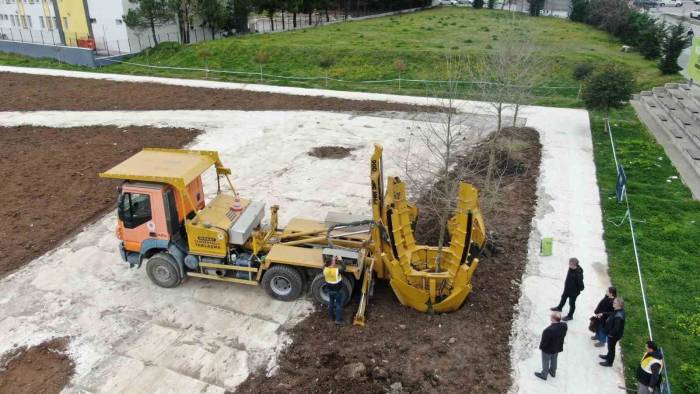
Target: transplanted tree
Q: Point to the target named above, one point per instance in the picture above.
(433, 167)
(674, 43)
(478, 4)
(507, 75)
(149, 14)
(236, 16)
(608, 87)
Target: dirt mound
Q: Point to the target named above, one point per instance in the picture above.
(50, 183)
(44, 368)
(330, 152)
(24, 92)
(401, 349)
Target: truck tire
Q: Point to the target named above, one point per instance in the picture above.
(283, 283)
(162, 270)
(318, 290)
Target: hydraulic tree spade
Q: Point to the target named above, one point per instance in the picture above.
(163, 220)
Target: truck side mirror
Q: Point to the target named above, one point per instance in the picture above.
(120, 206)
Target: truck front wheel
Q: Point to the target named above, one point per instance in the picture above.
(283, 283)
(162, 270)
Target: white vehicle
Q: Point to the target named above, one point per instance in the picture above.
(448, 2)
(695, 14)
(697, 2)
(671, 3)
(470, 2)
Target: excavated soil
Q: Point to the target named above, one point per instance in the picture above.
(330, 152)
(401, 350)
(44, 368)
(24, 92)
(50, 186)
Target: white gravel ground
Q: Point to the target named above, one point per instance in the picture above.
(131, 336)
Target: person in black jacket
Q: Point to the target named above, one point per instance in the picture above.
(573, 286)
(551, 344)
(649, 369)
(602, 312)
(615, 327)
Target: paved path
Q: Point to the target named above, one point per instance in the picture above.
(568, 209)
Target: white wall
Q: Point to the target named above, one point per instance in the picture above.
(35, 13)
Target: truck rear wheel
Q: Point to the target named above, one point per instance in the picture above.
(318, 289)
(162, 271)
(283, 283)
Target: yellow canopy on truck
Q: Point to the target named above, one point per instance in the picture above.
(176, 167)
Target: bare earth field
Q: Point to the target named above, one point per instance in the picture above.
(44, 368)
(464, 351)
(51, 189)
(50, 184)
(25, 92)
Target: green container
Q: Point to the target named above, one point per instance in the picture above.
(546, 246)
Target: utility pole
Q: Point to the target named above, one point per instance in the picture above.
(58, 22)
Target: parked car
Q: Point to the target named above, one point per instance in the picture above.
(697, 2)
(671, 3)
(695, 14)
(448, 2)
(470, 2)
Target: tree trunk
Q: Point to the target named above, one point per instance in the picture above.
(492, 148)
(272, 20)
(153, 30)
(283, 24)
(328, 19)
(294, 19)
(515, 115)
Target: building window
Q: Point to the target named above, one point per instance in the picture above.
(118, 22)
(65, 22)
(93, 20)
(29, 21)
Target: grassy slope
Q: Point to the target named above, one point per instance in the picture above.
(667, 222)
(668, 231)
(366, 50)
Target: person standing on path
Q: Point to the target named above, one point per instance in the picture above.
(649, 369)
(615, 327)
(551, 344)
(602, 312)
(573, 286)
(334, 287)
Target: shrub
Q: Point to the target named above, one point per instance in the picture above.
(478, 4)
(672, 46)
(582, 71)
(607, 87)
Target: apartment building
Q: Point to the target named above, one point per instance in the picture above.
(29, 20)
(97, 24)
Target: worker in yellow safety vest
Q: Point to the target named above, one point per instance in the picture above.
(332, 273)
(649, 370)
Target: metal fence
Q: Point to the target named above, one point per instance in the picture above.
(621, 190)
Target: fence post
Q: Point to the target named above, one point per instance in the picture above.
(21, 37)
(106, 46)
(31, 36)
(53, 38)
(196, 39)
(119, 49)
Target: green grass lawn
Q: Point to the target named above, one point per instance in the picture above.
(667, 222)
(668, 218)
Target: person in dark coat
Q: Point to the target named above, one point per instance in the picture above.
(649, 369)
(602, 312)
(615, 327)
(573, 286)
(551, 344)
